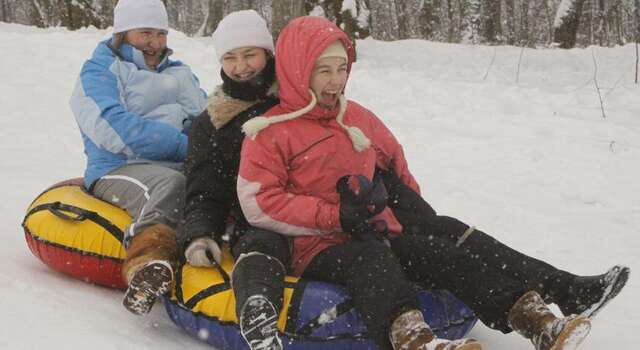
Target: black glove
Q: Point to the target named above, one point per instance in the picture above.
(411, 210)
(360, 200)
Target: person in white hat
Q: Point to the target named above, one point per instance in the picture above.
(244, 48)
(133, 106)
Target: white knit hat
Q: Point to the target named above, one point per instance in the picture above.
(336, 49)
(134, 14)
(241, 29)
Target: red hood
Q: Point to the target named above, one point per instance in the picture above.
(299, 45)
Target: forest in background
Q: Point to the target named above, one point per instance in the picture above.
(534, 23)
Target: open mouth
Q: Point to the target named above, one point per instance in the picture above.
(329, 98)
(150, 53)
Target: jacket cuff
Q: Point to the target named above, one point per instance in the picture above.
(328, 217)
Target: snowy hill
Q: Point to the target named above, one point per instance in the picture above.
(522, 153)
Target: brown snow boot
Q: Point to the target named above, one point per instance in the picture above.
(148, 267)
(409, 331)
(532, 319)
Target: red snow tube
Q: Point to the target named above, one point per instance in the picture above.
(77, 234)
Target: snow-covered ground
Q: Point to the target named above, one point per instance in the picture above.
(525, 156)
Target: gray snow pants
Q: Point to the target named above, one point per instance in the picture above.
(151, 194)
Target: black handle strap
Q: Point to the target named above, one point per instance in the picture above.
(60, 210)
(221, 271)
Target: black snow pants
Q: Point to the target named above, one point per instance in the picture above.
(261, 257)
(443, 252)
(373, 277)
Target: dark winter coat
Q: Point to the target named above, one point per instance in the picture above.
(211, 167)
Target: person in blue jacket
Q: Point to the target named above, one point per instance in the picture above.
(134, 106)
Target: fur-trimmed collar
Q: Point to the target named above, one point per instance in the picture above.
(222, 107)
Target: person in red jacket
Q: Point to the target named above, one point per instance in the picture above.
(307, 171)
(288, 174)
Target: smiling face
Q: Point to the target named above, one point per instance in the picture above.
(328, 79)
(152, 43)
(244, 63)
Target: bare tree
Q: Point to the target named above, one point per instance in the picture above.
(636, 16)
(492, 21)
(4, 14)
(283, 11)
(472, 17)
(510, 20)
(236, 5)
(408, 14)
(566, 23)
(384, 20)
(432, 21)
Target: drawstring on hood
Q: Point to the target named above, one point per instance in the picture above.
(358, 138)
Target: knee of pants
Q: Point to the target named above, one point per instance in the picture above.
(264, 242)
(372, 252)
(451, 228)
(175, 184)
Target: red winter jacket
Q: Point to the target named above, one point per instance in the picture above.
(288, 171)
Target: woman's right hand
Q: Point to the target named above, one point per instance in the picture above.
(203, 252)
(360, 200)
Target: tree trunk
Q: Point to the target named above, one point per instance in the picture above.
(602, 25)
(636, 21)
(510, 21)
(472, 18)
(567, 22)
(283, 12)
(408, 13)
(4, 16)
(493, 21)
(384, 20)
(236, 5)
(549, 23)
(525, 35)
(430, 22)
(265, 9)
(216, 10)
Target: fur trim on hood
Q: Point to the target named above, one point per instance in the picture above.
(222, 108)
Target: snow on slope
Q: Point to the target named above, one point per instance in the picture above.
(524, 156)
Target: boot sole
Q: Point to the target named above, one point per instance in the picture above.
(573, 334)
(620, 275)
(145, 288)
(254, 332)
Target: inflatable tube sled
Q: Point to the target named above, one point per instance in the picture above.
(315, 315)
(77, 234)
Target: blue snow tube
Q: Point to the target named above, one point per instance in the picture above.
(315, 315)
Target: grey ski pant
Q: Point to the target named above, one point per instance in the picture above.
(151, 194)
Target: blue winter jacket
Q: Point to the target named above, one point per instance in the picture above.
(128, 113)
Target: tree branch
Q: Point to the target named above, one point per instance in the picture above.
(486, 74)
(519, 62)
(595, 82)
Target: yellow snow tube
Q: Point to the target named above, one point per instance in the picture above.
(77, 234)
(207, 291)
